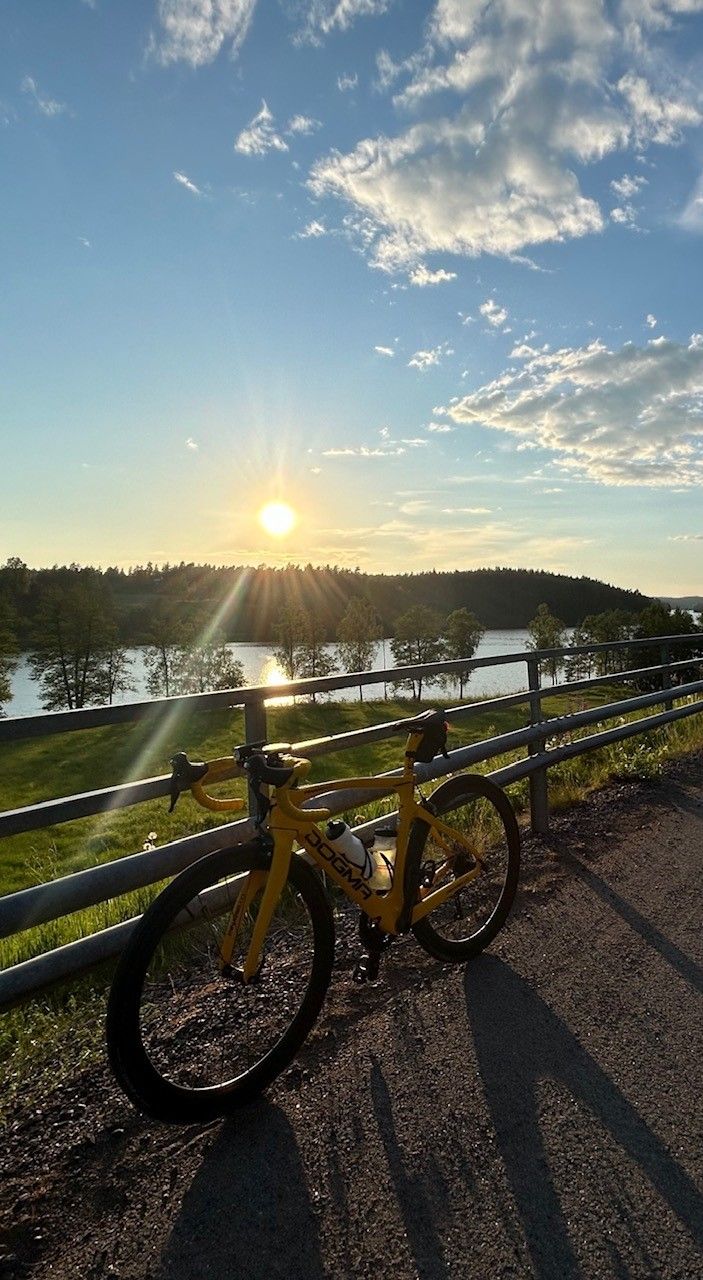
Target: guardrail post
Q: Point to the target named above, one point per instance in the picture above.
(539, 798)
(665, 658)
(254, 731)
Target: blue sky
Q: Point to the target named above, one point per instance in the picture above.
(431, 272)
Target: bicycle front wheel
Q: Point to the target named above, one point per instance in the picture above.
(189, 1042)
(461, 926)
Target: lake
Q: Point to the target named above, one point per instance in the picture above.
(260, 668)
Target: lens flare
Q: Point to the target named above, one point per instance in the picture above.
(277, 518)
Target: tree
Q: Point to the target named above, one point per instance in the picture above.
(114, 670)
(166, 636)
(613, 625)
(659, 619)
(8, 652)
(301, 651)
(462, 636)
(417, 640)
(290, 630)
(547, 632)
(358, 633)
(315, 660)
(202, 667)
(74, 632)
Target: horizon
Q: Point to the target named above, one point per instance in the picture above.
(430, 276)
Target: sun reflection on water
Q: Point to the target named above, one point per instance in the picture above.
(273, 673)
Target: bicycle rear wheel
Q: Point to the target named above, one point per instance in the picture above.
(187, 1042)
(461, 926)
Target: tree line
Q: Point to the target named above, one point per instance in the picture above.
(248, 602)
(617, 626)
(77, 654)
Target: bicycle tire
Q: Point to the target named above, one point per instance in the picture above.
(160, 1035)
(435, 932)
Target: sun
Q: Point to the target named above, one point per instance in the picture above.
(277, 518)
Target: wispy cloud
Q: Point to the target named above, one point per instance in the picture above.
(366, 451)
(347, 82)
(324, 16)
(632, 416)
(192, 444)
(86, 243)
(650, 321)
(422, 276)
(493, 313)
(385, 351)
(303, 124)
(260, 135)
(185, 181)
(195, 31)
(47, 106)
(311, 231)
(425, 359)
(627, 186)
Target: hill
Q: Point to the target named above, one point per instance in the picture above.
(684, 602)
(247, 601)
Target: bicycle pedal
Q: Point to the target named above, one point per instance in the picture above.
(367, 967)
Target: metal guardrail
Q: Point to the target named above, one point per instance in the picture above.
(40, 904)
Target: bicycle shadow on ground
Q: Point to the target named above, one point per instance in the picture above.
(519, 1043)
(247, 1212)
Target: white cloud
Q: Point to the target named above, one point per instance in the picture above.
(312, 231)
(493, 313)
(195, 31)
(347, 81)
(47, 106)
(626, 215)
(324, 16)
(439, 428)
(365, 451)
(385, 351)
(191, 444)
(260, 135)
(186, 182)
(686, 537)
(466, 511)
(303, 124)
(656, 117)
(627, 186)
(424, 359)
(86, 243)
(422, 276)
(651, 321)
(529, 91)
(627, 417)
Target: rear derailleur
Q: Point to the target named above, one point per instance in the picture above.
(374, 940)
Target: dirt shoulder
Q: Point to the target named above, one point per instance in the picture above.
(537, 1114)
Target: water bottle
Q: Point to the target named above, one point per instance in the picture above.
(341, 838)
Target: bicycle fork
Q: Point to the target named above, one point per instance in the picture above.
(274, 881)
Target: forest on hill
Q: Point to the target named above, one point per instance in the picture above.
(248, 601)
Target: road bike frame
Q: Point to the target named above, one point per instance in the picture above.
(394, 909)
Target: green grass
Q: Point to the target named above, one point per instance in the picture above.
(71, 763)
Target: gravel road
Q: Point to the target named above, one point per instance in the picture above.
(537, 1114)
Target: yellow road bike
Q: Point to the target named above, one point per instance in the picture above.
(226, 972)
